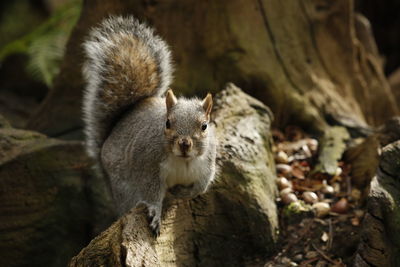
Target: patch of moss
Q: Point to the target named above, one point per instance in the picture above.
(296, 211)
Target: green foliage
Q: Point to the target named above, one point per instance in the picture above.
(12, 27)
(296, 208)
(45, 54)
(295, 212)
(45, 45)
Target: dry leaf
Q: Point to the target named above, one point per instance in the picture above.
(298, 173)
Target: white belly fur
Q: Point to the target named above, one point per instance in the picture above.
(180, 171)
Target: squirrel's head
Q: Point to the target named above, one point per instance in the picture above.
(187, 125)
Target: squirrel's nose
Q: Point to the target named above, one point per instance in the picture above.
(185, 144)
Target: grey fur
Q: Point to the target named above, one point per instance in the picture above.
(102, 40)
(127, 131)
(135, 150)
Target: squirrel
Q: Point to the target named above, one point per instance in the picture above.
(146, 140)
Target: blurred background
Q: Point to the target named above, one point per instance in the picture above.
(34, 34)
(314, 63)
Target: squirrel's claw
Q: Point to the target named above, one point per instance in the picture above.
(154, 221)
(155, 228)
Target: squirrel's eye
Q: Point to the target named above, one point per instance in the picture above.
(204, 126)
(168, 124)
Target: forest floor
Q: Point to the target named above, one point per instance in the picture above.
(320, 215)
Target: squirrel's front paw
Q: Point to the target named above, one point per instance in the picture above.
(154, 220)
(183, 191)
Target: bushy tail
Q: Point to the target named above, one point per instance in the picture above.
(125, 62)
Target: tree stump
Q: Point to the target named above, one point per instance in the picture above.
(305, 59)
(51, 204)
(233, 224)
(380, 244)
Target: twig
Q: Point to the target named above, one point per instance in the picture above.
(348, 183)
(330, 234)
(289, 245)
(324, 255)
(307, 262)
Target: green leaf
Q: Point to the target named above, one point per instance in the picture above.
(45, 45)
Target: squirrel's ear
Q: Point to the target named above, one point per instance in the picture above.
(207, 104)
(170, 100)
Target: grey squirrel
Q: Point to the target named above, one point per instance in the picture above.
(146, 140)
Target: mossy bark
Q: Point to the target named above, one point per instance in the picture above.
(233, 224)
(364, 160)
(306, 59)
(380, 244)
(331, 149)
(51, 204)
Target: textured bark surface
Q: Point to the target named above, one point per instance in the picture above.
(380, 244)
(364, 160)
(233, 224)
(390, 131)
(394, 82)
(332, 147)
(50, 203)
(305, 59)
(386, 25)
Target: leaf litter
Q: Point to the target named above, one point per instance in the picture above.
(320, 215)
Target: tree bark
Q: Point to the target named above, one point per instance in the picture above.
(380, 244)
(331, 149)
(305, 59)
(235, 223)
(51, 204)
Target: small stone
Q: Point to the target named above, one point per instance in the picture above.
(312, 144)
(341, 206)
(327, 189)
(310, 197)
(283, 183)
(306, 151)
(289, 198)
(284, 169)
(321, 209)
(338, 171)
(285, 191)
(282, 157)
(325, 237)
